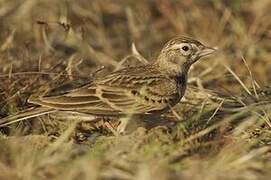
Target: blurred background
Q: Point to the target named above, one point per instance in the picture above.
(84, 35)
(44, 44)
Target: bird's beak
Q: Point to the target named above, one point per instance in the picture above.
(205, 51)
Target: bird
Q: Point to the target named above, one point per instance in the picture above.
(152, 88)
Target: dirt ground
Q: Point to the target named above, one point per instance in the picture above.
(220, 130)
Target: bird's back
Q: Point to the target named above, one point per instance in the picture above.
(133, 90)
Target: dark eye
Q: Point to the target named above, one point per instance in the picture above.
(185, 48)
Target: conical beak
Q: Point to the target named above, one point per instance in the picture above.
(205, 51)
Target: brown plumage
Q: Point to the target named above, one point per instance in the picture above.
(147, 89)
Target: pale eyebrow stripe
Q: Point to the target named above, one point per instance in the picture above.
(179, 45)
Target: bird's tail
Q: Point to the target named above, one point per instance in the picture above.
(29, 113)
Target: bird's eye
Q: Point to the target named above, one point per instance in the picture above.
(185, 48)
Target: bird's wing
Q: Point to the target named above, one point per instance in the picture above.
(27, 114)
(117, 93)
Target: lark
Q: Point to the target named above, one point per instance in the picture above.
(148, 89)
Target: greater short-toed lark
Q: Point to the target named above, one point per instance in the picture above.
(147, 89)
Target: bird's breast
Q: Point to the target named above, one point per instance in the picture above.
(181, 81)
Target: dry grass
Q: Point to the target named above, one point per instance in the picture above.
(224, 129)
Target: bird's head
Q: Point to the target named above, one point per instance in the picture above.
(180, 53)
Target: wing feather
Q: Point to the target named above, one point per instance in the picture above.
(117, 94)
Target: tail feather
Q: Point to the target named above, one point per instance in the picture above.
(21, 116)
